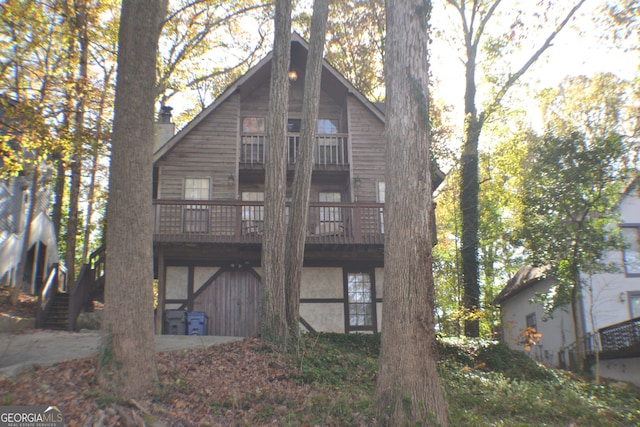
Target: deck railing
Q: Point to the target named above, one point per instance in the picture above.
(620, 336)
(243, 222)
(330, 150)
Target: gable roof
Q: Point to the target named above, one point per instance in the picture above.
(263, 66)
(526, 277)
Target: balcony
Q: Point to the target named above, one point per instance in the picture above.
(330, 150)
(190, 221)
(620, 340)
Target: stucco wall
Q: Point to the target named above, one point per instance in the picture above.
(322, 282)
(556, 331)
(620, 369)
(177, 283)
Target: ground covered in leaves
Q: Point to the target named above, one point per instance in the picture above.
(326, 379)
(27, 304)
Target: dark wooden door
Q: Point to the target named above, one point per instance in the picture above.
(232, 304)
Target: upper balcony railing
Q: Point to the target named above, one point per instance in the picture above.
(213, 221)
(330, 150)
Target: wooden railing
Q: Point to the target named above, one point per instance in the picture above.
(243, 222)
(89, 284)
(56, 282)
(621, 336)
(330, 150)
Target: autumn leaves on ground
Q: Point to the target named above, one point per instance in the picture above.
(325, 380)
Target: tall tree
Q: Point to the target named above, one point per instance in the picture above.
(127, 355)
(408, 390)
(297, 227)
(78, 23)
(475, 19)
(274, 324)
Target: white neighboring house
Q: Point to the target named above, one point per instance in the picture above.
(15, 195)
(610, 308)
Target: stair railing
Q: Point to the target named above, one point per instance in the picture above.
(89, 281)
(45, 296)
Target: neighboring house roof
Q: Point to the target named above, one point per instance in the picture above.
(526, 277)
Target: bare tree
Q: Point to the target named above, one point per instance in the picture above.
(127, 364)
(408, 391)
(274, 325)
(297, 226)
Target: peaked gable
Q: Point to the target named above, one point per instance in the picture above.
(261, 72)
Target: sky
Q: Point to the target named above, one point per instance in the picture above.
(578, 49)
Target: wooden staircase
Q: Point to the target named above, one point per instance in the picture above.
(58, 315)
(59, 309)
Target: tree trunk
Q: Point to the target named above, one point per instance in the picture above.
(78, 140)
(61, 177)
(90, 200)
(127, 365)
(297, 228)
(274, 327)
(469, 205)
(408, 391)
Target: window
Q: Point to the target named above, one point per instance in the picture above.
(360, 301)
(196, 217)
(253, 125)
(196, 189)
(327, 126)
(252, 215)
(531, 321)
(293, 125)
(634, 304)
(253, 130)
(631, 251)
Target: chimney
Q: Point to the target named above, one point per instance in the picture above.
(165, 114)
(164, 127)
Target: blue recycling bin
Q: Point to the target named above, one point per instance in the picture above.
(175, 322)
(197, 323)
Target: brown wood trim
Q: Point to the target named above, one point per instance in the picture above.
(374, 310)
(322, 300)
(307, 325)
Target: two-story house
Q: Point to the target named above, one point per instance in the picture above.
(609, 306)
(209, 197)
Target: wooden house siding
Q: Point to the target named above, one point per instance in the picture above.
(208, 151)
(366, 135)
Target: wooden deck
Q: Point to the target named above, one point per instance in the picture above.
(191, 221)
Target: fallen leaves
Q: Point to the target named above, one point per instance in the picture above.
(246, 382)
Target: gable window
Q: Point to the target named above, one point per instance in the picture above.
(360, 301)
(327, 126)
(631, 251)
(253, 137)
(253, 125)
(634, 304)
(196, 217)
(294, 125)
